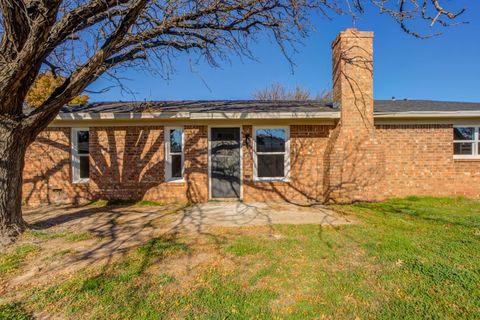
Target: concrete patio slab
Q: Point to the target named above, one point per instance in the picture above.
(239, 214)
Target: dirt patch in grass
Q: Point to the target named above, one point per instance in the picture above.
(65, 240)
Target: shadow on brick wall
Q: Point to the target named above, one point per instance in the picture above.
(126, 163)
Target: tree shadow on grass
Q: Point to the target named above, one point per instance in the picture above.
(404, 209)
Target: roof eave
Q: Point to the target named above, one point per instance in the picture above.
(121, 116)
(264, 115)
(255, 115)
(197, 116)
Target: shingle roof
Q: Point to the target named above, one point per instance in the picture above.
(201, 106)
(398, 106)
(255, 106)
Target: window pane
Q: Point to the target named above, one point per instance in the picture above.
(270, 140)
(176, 140)
(463, 133)
(463, 148)
(82, 139)
(84, 167)
(270, 166)
(176, 166)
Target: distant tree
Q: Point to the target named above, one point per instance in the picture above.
(277, 91)
(325, 96)
(43, 87)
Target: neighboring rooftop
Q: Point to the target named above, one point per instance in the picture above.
(398, 106)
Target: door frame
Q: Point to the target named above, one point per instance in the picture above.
(240, 127)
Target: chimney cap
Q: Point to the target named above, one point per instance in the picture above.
(352, 33)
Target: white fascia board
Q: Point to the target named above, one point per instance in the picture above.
(264, 115)
(122, 116)
(198, 115)
(255, 115)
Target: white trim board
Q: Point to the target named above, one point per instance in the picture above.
(75, 156)
(475, 142)
(286, 176)
(185, 122)
(167, 157)
(82, 116)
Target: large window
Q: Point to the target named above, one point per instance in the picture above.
(80, 155)
(466, 142)
(174, 154)
(271, 148)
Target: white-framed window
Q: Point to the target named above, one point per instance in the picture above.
(80, 155)
(466, 141)
(174, 153)
(271, 148)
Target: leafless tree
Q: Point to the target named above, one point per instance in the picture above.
(277, 91)
(82, 39)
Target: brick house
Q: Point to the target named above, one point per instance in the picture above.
(353, 149)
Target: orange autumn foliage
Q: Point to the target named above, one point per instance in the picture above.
(43, 86)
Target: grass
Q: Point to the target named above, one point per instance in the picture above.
(244, 246)
(69, 236)
(62, 253)
(11, 261)
(412, 258)
(81, 236)
(14, 311)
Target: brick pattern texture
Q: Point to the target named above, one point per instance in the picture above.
(47, 174)
(355, 159)
(125, 163)
(307, 146)
(418, 160)
(128, 163)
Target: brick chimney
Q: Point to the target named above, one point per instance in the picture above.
(354, 160)
(352, 55)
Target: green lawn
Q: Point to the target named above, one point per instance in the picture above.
(413, 258)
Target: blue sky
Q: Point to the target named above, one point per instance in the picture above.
(446, 67)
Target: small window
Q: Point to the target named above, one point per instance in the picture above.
(174, 154)
(271, 153)
(466, 142)
(80, 155)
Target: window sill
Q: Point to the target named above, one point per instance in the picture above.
(175, 181)
(257, 180)
(466, 159)
(81, 181)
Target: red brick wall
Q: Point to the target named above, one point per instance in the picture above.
(354, 157)
(128, 163)
(467, 178)
(418, 160)
(125, 163)
(196, 163)
(307, 146)
(352, 73)
(47, 174)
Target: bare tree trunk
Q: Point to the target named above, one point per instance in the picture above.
(13, 145)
